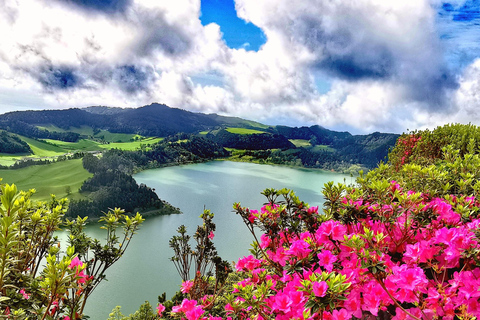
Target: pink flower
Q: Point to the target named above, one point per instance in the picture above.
(326, 259)
(341, 314)
(185, 306)
(282, 303)
(75, 262)
(195, 313)
(409, 278)
(300, 249)
(24, 294)
(249, 263)
(211, 235)
(186, 286)
(320, 288)
(160, 309)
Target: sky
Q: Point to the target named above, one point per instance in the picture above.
(356, 65)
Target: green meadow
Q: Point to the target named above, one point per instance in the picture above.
(243, 131)
(300, 143)
(55, 178)
(80, 145)
(321, 147)
(133, 145)
(43, 149)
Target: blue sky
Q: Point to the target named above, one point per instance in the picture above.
(362, 66)
(237, 33)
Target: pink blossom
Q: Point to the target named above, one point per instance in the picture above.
(160, 309)
(299, 249)
(211, 235)
(24, 294)
(195, 313)
(326, 259)
(341, 314)
(282, 303)
(353, 304)
(75, 263)
(186, 286)
(248, 263)
(320, 288)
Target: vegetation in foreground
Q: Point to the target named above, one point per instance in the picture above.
(38, 278)
(403, 243)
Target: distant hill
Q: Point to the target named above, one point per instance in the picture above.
(315, 146)
(152, 120)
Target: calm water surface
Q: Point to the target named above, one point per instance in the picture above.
(145, 271)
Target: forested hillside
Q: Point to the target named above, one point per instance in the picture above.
(152, 120)
(12, 144)
(317, 147)
(113, 186)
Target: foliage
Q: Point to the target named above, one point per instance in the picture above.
(425, 147)
(112, 183)
(252, 141)
(37, 279)
(100, 256)
(10, 143)
(31, 131)
(111, 188)
(204, 257)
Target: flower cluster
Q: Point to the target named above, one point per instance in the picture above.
(399, 255)
(405, 147)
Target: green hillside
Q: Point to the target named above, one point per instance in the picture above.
(80, 145)
(243, 131)
(133, 145)
(43, 149)
(49, 179)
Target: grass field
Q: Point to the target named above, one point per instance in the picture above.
(51, 128)
(47, 179)
(80, 145)
(130, 145)
(243, 131)
(300, 143)
(84, 130)
(322, 148)
(42, 149)
(9, 159)
(53, 148)
(115, 137)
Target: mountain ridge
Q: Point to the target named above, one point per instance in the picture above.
(159, 120)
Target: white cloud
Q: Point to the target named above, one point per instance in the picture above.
(383, 58)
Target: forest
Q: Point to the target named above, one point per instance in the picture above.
(112, 184)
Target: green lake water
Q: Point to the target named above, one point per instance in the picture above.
(145, 271)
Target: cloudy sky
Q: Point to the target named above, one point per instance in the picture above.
(357, 65)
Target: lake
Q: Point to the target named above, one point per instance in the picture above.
(145, 271)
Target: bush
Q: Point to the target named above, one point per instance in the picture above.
(37, 279)
(403, 243)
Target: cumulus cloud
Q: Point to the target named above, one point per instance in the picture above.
(370, 39)
(104, 6)
(384, 60)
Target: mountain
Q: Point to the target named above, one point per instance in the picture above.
(315, 146)
(152, 120)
